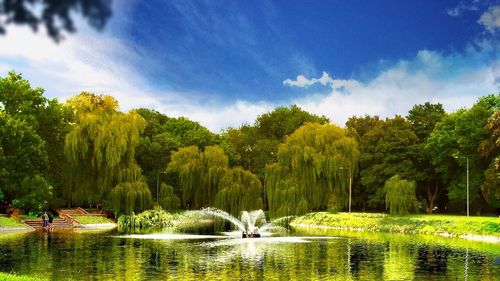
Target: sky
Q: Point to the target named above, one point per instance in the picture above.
(224, 62)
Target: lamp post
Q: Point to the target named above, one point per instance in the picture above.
(457, 157)
(350, 185)
(158, 184)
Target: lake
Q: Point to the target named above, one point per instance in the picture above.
(302, 255)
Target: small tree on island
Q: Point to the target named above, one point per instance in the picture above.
(400, 196)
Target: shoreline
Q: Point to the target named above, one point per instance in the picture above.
(471, 237)
(484, 229)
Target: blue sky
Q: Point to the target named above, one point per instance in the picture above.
(224, 62)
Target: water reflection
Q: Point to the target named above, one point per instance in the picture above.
(106, 256)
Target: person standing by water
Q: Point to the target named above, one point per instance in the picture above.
(45, 219)
(50, 220)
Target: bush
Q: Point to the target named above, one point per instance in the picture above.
(156, 218)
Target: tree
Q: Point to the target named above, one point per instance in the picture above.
(308, 174)
(386, 151)
(34, 194)
(460, 134)
(100, 147)
(490, 151)
(55, 15)
(283, 121)
(23, 163)
(239, 190)
(128, 197)
(207, 180)
(423, 118)
(400, 196)
(167, 198)
(198, 174)
(357, 127)
(47, 117)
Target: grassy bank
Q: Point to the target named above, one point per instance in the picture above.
(89, 219)
(13, 277)
(10, 222)
(421, 224)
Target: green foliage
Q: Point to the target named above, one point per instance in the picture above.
(22, 158)
(238, 190)
(283, 121)
(36, 192)
(128, 197)
(490, 150)
(400, 196)
(385, 152)
(167, 199)
(199, 173)
(308, 174)
(206, 180)
(161, 136)
(461, 134)
(423, 118)
(100, 147)
(156, 218)
(46, 117)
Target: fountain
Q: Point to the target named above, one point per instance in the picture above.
(253, 224)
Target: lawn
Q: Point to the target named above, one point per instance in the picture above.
(423, 224)
(9, 222)
(89, 219)
(13, 277)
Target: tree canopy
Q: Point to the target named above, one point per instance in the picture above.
(100, 147)
(308, 175)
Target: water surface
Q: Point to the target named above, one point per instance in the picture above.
(301, 256)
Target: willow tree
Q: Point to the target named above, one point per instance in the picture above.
(312, 170)
(198, 173)
(400, 196)
(239, 190)
(100, 147)
(128, 197)
(167, 198)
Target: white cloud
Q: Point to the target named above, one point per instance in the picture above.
(491, 19)
(463, 6)
(428, 77)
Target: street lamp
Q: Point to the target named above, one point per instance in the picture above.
(457, 157)
(158, 184)
(350, 185)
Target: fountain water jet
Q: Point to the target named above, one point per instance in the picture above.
(249, 223)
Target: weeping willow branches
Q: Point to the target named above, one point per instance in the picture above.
(128, 197)
(206, 180)
(100, 147)
(310, 172)
(400, 196)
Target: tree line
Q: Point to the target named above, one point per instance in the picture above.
(86, 152)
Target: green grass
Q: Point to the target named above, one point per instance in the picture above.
(13, 277)
(4, 221)
(88, 219)
(422, 224)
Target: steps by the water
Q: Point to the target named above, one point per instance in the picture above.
(56, 224)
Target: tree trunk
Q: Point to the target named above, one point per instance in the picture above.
(432, 194)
